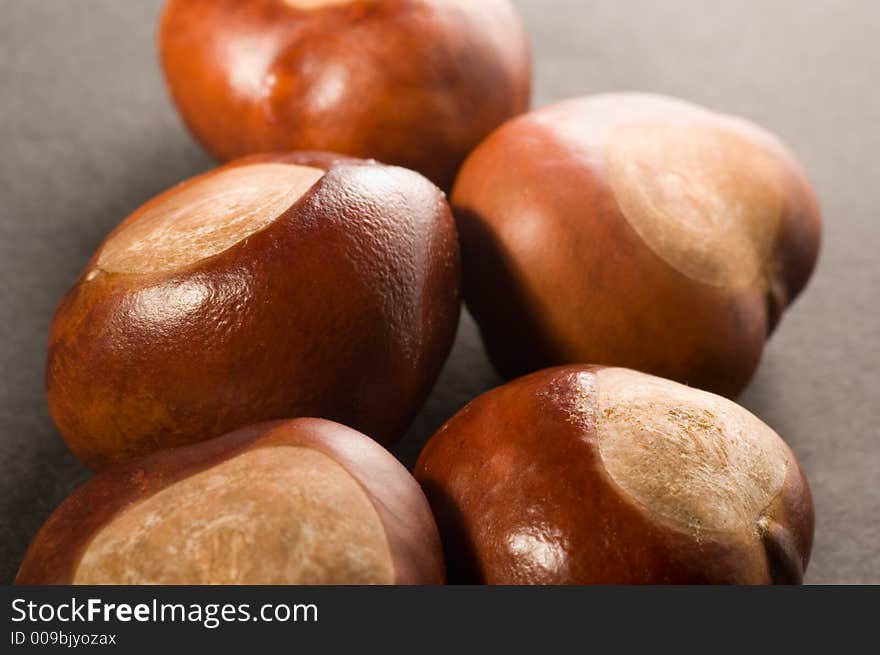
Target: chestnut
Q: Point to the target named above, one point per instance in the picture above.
(306, 501)
(633, 230)
(275, 287)
(586, 474)
(416, 83)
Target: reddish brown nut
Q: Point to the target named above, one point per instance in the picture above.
(275, 287)
(584, 474)
(634, 230)
(417, 83)
(306, 501)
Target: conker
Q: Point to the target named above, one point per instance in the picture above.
(634, 230)
(585, 474)
(305, 501)
(274, 287)
(417, 83)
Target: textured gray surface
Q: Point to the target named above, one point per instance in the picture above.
(87, 135)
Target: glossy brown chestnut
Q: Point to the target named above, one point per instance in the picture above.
(634, 230)
(275, 287)
(306, 501)
(417, 83)
(585, 474)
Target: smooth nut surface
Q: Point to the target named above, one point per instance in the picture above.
(304, 501)
(634, 230)
(589, 474)
(315, 4)
(415, 83)
(281, 285)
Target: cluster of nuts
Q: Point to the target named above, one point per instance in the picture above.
(229, 346)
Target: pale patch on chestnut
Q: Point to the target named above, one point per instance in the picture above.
(704, 199)
(203, 218)
(541, 551)
(688, 456)
(274, 515)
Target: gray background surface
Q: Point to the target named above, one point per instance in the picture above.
(87, 134)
